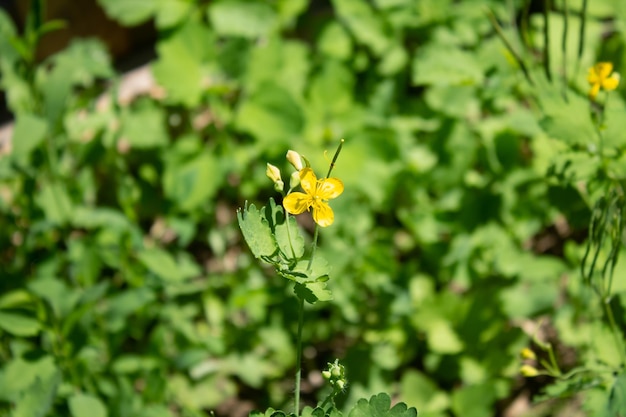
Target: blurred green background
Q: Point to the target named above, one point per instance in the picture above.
(126, 288)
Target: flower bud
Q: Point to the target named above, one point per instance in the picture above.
(341, 383)
(326, 374)
(273, 173)
(294, 159)
(279, 186)
(527, 353)
(529, 371)
(294, 180)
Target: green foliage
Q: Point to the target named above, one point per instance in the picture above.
(482, 213)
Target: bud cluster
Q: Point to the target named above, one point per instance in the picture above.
(336, 375)
(273, 173)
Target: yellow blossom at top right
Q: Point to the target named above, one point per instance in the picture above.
(602, 76)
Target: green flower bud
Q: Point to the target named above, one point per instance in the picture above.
(273, 173)
(294, 180)
(294, 159)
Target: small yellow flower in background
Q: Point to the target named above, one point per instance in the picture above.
(273, 173)
(528, 371)
(316, 195)
(602, 76)
(527, 353)
(295, 159)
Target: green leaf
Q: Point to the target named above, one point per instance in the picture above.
(445, 65)
(19, 374)
(271, 114)
(86, 405)
(144, 127)
(318, 270)
(256, 231)
(617, 397)
(417, 388)
(129, 12)
(335, 42)
(313, 292)
(464, 400)
(442, 338)
(57, 293)
(55, 202)
(248, 19)
(29, 132)
(122, 305)
(37, 399)
(287, 234)
(180, 67)
(170, 13)
(163, 265)
(81, 63)
(192, 184)
(364, 23)
(18, 324)
(379, 406)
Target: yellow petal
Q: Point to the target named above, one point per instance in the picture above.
(603, 69)
(594, 91)
(611, 83)
(592, 76)
(308, 181)
(323, 214)
(330, 188)
(296, 203)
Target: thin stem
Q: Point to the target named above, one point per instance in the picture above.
(609, 315)
(332, 163)
(299, 355)
(581, 34)
(564, 46)
(313, 247)
(524, 32)
(546, 39)
(508, 45)
(293, 252)
(554, 363)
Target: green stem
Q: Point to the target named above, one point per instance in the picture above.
(564, 46)
(299, 355)
(606, 304)
(293, 252)
(546, 39)
(332, 163)
(581, 34)
(508, 45)
(313, 247)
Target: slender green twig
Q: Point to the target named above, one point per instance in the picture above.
(619, 341)
(564, 46)
(332, 163)
(581, 34)
(313, 247)
(296, 405)
(546, 39)
(507, 44)
(525, 34)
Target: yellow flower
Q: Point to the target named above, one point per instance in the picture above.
(602, 76)
(316, 195)
(526, 353)
(528, 371)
